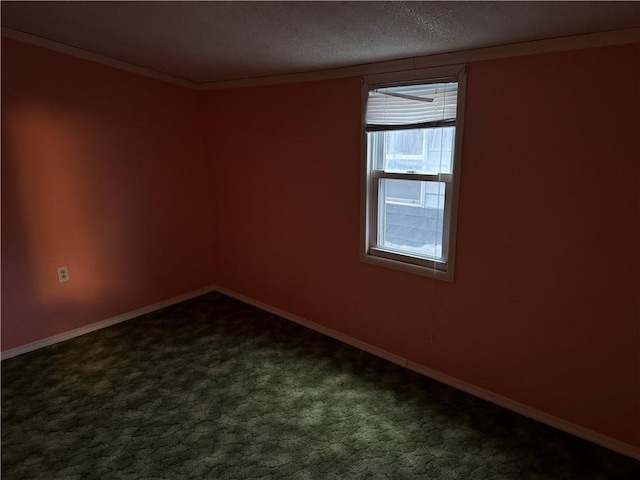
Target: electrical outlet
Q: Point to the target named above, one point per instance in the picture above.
(63, 274)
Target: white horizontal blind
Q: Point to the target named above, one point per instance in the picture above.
(413, 106)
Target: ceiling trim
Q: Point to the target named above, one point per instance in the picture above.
(94, 57)
(573, 42)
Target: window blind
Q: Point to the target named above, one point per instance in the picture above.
(412, 106)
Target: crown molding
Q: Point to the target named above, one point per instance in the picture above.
(94, 57)
(333, 73)
(573, 42)
(551, 45)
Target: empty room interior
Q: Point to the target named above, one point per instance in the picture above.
(320, 240)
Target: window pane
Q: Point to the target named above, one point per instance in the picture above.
(425, 150)
(404, 192)
(405, 144)
(439, 149)
(411, 216)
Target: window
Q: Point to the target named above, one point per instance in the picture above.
(412, 145)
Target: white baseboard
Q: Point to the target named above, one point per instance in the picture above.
(61, 337)
(538, 415)
(378, 352)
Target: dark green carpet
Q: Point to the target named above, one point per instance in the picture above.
(213, 388)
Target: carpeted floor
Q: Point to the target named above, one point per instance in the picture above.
(213, 388)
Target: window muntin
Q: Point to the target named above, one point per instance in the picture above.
(412, 130)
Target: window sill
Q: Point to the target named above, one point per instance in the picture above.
(406, 263)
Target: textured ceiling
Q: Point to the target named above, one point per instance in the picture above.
(217, 41)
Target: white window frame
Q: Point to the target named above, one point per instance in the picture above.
(373, 253)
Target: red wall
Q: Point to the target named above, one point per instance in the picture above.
(147, 190)
(103, 171)
(544, 309)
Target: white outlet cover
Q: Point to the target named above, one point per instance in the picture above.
(63, 274)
